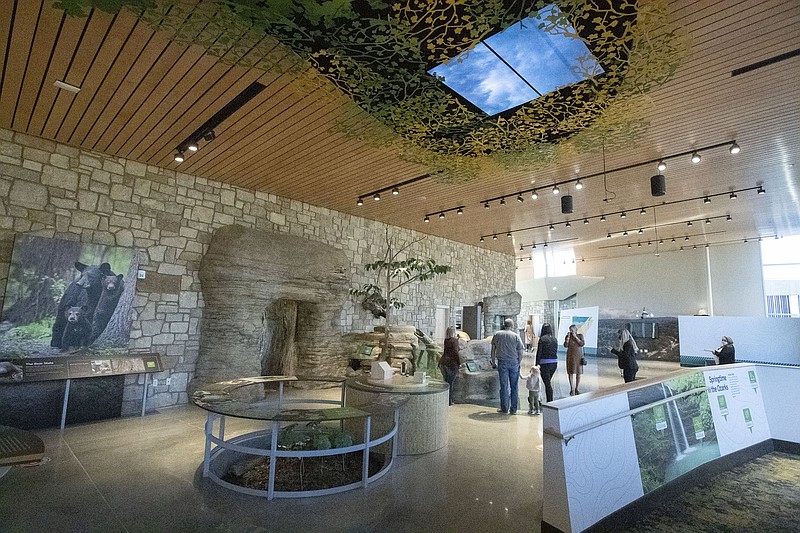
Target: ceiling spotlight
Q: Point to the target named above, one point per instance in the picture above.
(734, 149)
(745, 241)
(728, 218)
(209, 135)
(694, 247)
(673, 239)
(494, 237)
(638, 245)
(502, 201)
(376, 196)
(520, 259)
(681, 248)
(608, 236)
(689, 224)
(569, 225)
(521, 248)
(556, 190)
(179, 157)
(649, 243)
(585, 220)
(625, 233)
(508, 234)
(551, 228)
(733, 196)
(579, 185)
(640, 231)
(481, 239)
(441, 215)
(520, 199)
(193, 147)
(708, 221)
(603, 218)
(695, 157)
(426, 219)
(658, 254)
(534, 246)
(686, 238)
(706, 200)
(661, 241)
(534, 194)
(662, 165)
(486, 205)
(545, 244)
(642, 211)
(359, 202)
(622, 215)
(629, 245)
(708, 245)
(760, 190)
(395, 191)
(460, 211)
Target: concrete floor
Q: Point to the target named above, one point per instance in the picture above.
(143, 474)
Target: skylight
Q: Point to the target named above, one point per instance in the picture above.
(543, 63)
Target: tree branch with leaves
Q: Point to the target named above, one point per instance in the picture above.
(392, 274)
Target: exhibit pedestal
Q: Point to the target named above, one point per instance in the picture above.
(422, 426)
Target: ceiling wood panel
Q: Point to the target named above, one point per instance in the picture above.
(142, 94)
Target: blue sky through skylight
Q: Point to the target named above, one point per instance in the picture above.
(546, 61)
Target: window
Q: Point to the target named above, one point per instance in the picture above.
(780, 259)
(518, 65)
(551, 263)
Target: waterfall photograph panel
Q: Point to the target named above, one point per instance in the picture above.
(675, 435)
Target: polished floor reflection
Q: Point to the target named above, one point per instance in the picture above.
(143, 474)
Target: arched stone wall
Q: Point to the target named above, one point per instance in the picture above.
(244, 275)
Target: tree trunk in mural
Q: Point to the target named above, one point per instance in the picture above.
(282, 358)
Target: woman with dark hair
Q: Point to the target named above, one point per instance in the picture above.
(547, 358)
(726, 353)
(449, 362)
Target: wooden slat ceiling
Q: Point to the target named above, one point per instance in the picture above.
(142, 94)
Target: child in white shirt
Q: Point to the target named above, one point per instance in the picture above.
(532, 383)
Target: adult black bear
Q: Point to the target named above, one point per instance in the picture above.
(84, 292)
(113, 286)
(77, 329)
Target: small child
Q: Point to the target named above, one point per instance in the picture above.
(534, 400)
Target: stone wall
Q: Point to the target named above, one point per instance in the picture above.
(58, 191)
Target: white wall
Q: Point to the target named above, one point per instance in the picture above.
(673, 284)
(677, 283)
(736, 280)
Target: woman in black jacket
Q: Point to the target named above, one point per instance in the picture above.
(626, 355)
(726, 353)
(547, 358)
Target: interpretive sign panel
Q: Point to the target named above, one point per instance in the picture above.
(737, 407)
(71, 367)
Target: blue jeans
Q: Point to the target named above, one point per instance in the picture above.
(509, 385)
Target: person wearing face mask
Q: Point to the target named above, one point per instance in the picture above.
(726, 354)
(626, 355)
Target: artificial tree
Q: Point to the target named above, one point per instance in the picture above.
(391, 274)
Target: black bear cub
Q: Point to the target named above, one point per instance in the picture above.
(77, 329)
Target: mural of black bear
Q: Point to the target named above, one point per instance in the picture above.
(77, 329)
(113, 286)
(84, 292)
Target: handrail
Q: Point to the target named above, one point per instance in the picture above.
(566, 437)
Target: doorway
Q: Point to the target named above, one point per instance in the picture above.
(442, 322)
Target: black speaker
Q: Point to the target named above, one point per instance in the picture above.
(566, 204)
(658, 185)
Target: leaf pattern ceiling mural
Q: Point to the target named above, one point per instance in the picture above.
(379, 53)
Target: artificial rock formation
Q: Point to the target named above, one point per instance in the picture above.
(272, 304)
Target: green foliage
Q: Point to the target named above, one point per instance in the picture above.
(314, 436)
(395, 274)
(81, 8)
(36, 330)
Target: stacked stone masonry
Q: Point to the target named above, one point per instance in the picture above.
(58, 191)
